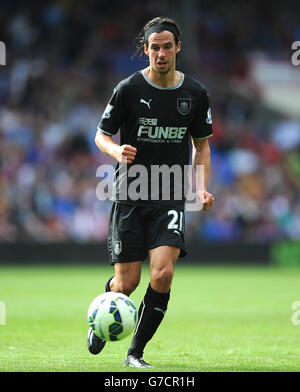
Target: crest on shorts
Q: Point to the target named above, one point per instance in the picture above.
(184, 105)
(117, 247)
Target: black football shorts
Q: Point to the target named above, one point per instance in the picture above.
(134, 230)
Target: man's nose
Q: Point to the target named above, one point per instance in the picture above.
(161, 52)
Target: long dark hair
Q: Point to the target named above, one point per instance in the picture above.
(160, 20)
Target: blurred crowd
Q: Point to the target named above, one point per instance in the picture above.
(63, 60)
(230, 31)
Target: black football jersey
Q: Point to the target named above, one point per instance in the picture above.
(159, 123)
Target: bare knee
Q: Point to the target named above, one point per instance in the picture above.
(161, 278)
(127, 277)
(125, 286)
(162, 262)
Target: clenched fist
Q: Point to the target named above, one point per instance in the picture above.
(126, 153)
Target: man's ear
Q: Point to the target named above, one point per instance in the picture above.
(146, 51)
(178, 48)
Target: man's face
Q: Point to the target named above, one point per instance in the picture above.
(162, 51)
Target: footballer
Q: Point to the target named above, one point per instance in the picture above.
(158, 111)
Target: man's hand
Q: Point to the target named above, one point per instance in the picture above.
(126, 153)
(206, 199)
(106, 144)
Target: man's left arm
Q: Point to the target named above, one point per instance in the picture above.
(201, 157)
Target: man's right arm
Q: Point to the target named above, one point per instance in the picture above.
(106, 144)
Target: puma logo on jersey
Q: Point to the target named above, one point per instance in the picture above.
(145, 102)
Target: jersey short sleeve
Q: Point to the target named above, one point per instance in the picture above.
(114, 113)
(201, 126)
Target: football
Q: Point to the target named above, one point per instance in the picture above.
(112, 316)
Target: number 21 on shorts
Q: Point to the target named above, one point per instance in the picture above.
(176, 222)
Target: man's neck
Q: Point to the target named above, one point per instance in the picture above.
(170, 79)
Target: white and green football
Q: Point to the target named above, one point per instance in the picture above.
(112, 316)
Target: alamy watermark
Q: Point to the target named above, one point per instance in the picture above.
(295, 319)
(296, 55)
(155, 182)
(2, 313)
(2, 53)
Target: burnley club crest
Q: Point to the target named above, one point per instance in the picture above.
(184, 105)
(117, 247)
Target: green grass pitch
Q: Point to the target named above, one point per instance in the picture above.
(219, 319)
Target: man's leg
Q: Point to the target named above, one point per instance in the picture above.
(126, 241)
(126, 279)
(162, 263)
(155, 302)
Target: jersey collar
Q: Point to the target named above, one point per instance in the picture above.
(163, 88)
